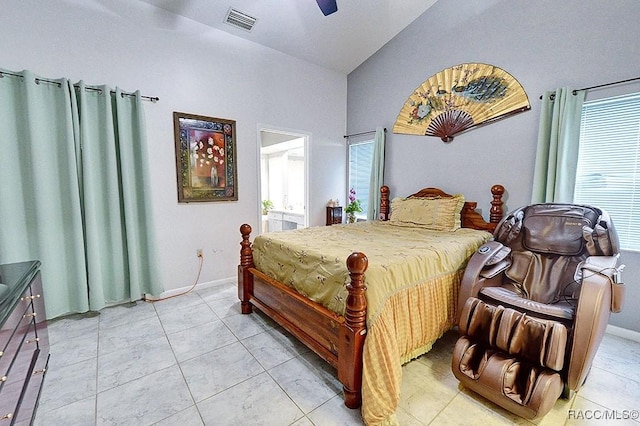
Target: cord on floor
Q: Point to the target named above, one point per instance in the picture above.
(153, 299)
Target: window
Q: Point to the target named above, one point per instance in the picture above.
(360, 160)
(608, 174)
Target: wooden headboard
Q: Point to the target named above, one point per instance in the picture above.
(469, 217)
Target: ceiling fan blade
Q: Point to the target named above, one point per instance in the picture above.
(328, 6)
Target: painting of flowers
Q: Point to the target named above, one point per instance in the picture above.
(205, 158)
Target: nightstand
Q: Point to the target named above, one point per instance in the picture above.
(334, 215)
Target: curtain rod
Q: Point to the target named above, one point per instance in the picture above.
(363, 133)
(575, 92)
(607, 84)
(90, 88)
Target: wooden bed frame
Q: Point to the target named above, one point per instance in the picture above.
(339, 340)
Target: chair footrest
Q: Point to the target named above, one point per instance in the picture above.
(525, 389)
(537, 341)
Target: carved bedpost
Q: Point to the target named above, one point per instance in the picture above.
(496, 212)
(384, 203)
(245, 279)
(353, 333)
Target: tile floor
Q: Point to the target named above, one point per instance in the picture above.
(194, 360)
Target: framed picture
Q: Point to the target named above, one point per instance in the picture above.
(205, 158)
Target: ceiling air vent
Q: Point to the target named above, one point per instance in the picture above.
(240, 20)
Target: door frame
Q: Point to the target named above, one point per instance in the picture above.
(306, 136)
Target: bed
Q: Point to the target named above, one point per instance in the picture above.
(367, 335)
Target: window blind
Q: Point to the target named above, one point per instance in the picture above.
(360, 160)
(608, 173)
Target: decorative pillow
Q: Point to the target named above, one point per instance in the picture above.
(435, 213)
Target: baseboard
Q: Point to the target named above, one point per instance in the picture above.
(207, 284)
(623, 332)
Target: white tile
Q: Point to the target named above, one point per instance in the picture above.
(188, 417)
(220, 291)
(79, 413)
(306, 382)
(129, 334)
(248, 325)
(273, 347)
(406, 419)
(620, 356)
(610, 390)
(72, 326)
(183, 318)
(257, 401)
(73, 350)
(177, 302)
(229, 381)
(424, 392)
(126, 313)
(303, 422)
(200, 339)
(335, 413)
(218, 370)
(225, 306)
(470, 409)
(69, 384)
(124, 365)
(144, 401)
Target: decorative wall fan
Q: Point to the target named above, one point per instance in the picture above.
(459, 98)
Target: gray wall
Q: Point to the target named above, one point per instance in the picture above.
(544, 44)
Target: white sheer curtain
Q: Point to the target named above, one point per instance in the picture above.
(74, 191)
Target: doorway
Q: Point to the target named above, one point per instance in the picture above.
(283, 180)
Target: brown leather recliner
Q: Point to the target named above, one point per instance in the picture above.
(534, 304)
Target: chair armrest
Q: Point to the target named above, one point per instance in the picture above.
(605, 265)
(471, 284)
(592, 316)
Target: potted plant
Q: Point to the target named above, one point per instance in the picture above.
(353, 206)
(266, 206)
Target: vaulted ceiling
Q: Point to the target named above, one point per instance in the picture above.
(340, 41)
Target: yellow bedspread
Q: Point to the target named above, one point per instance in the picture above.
(412, 285)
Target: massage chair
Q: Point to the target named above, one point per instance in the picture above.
(534, 304)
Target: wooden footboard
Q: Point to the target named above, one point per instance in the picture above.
(337, 339)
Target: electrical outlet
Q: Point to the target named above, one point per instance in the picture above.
(199, 252)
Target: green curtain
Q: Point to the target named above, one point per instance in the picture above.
(40, 215)
(377, 175)
(558, 144)
(74, 173)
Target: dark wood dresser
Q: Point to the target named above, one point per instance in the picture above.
(24, 342)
